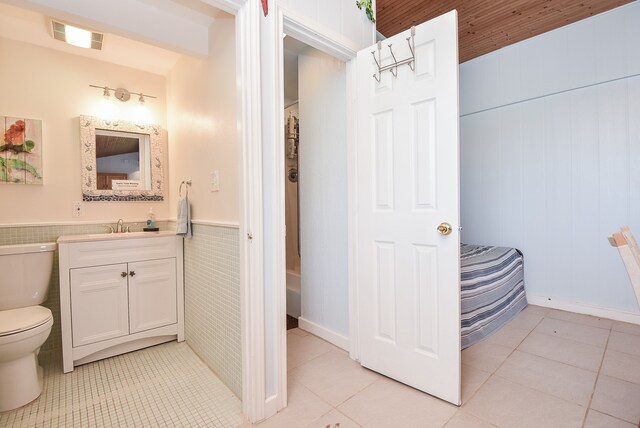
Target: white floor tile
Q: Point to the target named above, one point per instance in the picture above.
(600, 420)
(297, 332)
(485, 356)
(580, 319)
(623, 342)
(333, 376)
(622, 366)
(570, 330)
(507, 404)
(617, 398)
(563, 350)
(526, 320)
(472, 380)
(548, 376)
(387, 403)
(625, 327)
(465, 420)
(334, 419)
(165, 385)
(536, 310)
(303, 408)
(301, 349)
(508, 336)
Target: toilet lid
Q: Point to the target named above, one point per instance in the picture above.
(16, 320)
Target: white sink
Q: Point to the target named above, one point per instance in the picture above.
(113, 236)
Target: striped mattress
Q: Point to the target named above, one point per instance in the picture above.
(492, 282)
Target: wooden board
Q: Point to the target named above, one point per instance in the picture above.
(488, 25)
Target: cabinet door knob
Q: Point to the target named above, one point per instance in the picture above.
(132, 273)
(123, 274)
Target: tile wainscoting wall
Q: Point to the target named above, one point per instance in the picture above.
(212, 300)
(212, 291)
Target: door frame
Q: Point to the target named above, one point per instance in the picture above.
(262, 221)
(247, 15)
(307, 31)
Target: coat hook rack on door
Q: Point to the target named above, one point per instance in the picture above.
(394, 67)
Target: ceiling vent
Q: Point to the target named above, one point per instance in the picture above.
(76, 36)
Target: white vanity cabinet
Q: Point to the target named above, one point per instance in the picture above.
(119, 293)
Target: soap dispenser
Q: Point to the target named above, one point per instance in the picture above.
(151, 222)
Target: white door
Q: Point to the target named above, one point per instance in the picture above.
(409, 273)
(99, 303)
(152, 294)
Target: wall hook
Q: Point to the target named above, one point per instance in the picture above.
(393, 70)
(393, 67)
(186, 183)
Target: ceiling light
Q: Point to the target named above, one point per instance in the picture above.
(76, 36)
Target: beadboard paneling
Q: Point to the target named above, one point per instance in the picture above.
(342, 18)
(554, 177)
(588, 52)
(550, 155)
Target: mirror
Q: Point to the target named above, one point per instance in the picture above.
(121, 161)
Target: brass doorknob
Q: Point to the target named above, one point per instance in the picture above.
(445, 228)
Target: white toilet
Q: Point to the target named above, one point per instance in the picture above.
(24, 326)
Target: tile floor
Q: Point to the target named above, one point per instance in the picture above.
(546, 368)
(163, 386)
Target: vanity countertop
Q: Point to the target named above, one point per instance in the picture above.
(113, 236)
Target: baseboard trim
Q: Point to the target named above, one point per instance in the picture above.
(324, 333)
(271, 405)
(582, 308)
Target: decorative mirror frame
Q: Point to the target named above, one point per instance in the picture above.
(157, 137)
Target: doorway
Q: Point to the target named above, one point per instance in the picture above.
(316, 202)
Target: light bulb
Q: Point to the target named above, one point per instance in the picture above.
(107, 109)
(77, 36)
(142, 115)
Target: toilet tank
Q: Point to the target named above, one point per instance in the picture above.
(25, 271)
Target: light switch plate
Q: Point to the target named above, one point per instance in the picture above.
(215, 181)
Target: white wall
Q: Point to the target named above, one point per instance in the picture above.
(323, 193)
(341, 18)
(550, 148)
(45, 84)
(203, 129)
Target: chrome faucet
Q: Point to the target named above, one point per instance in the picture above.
(120, 226)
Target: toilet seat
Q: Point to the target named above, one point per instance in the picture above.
(15, 321)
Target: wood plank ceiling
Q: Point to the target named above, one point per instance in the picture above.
(488, 25)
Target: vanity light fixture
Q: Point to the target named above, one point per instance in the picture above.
(122, 94)
(76, 36)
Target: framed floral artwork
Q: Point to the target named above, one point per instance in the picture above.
(20, 151)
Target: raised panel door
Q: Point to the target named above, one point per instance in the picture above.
(99, 303)
(152, 294)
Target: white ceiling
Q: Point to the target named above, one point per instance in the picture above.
(153, 43)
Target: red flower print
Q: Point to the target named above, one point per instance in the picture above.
(15, 134)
